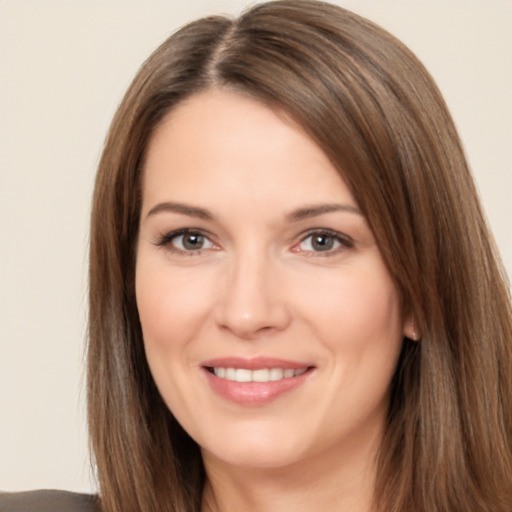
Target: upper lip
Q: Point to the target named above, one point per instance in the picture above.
(255, 363)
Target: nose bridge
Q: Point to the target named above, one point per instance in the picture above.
(251, 301)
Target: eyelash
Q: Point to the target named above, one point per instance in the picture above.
(165, 241)
(345, 242)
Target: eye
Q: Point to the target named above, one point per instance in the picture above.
(323, 242)
(190, 241)
(186, 241)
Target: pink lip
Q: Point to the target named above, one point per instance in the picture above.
(255, 363)
(254, 393)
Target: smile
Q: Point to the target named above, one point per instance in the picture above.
(259, 375)
(255, 381)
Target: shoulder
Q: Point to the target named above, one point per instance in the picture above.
(48, 501)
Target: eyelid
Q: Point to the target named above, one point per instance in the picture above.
(346, 242)
(165, 240)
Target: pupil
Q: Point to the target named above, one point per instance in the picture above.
(193, 241)
(322, 243)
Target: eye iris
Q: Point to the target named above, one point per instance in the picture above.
(193, 241)
(322, 242)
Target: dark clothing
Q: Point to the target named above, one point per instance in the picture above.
(48, 501)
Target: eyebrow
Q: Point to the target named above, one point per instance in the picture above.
(316, 210)
(185, 209)
(294, 216)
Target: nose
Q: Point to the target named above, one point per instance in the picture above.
(253, 301)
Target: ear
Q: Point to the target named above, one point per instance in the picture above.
(411, 329)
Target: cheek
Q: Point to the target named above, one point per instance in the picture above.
(355, 307)
(358, 320)
(172, 305)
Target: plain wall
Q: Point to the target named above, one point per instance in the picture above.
(64, 65)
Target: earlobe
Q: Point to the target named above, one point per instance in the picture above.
(411, 331)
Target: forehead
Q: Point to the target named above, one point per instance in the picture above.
(218, 145)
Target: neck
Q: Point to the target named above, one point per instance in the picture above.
(342, 480)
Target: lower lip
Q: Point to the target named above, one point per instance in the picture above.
(254, 393)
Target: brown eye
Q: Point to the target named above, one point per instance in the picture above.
(324, 242)
(320, 242)
(188, 241)
(191, 241)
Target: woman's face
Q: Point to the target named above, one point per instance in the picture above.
(271, 324)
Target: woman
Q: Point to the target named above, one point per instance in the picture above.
(294, 298)
(320, 81)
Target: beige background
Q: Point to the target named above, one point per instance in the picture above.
(64, 65)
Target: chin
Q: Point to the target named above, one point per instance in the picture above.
(253, 458)
(255, 448)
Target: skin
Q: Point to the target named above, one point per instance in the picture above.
(259, 286)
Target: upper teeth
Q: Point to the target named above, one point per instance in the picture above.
(261, 375)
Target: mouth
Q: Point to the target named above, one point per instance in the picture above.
(260, 375)
(255, 382)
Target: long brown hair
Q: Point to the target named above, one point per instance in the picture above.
(376, 112)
